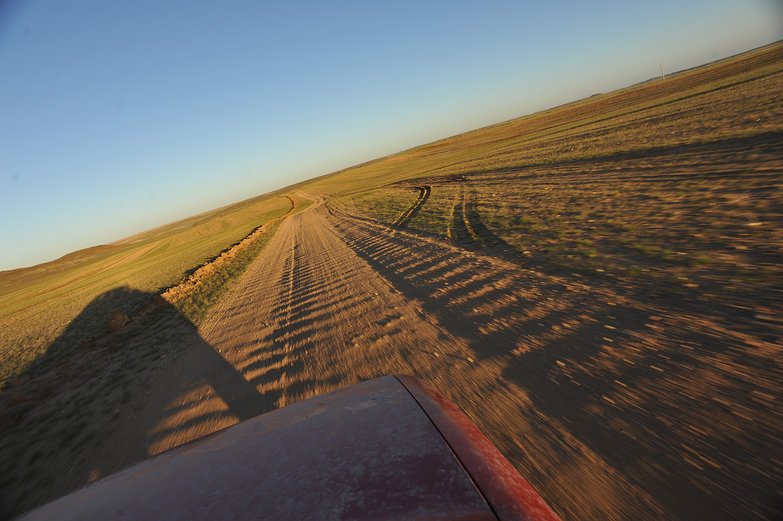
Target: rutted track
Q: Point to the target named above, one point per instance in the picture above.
(458, 230)
(617, 397)
(403, 220)
(465, 225)
(531, 358)
(611, 407)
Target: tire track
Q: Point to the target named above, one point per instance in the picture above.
(562, 376)
(327, 321)
(339, 308)
(611, 399)
(465, 225)
(406, 217)
(457, 229)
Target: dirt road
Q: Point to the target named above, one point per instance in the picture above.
(334, 301)
(613, 404)
(569, 380)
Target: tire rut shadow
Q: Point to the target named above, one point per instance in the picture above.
(406, 217)
(275, 361)
(457, 229)
(466, 227)
(604, 374)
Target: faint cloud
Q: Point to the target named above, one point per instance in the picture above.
(15, 178)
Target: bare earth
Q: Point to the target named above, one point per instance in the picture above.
(530, 358)
(611, 406)
(597, 286)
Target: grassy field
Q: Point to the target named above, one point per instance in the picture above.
(673, 184)
(38, 303)
(667, 196)
(664, 199)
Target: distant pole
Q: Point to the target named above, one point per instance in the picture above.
(662, 76)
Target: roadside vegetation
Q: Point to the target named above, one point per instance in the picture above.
(197, 296)
(37, 304)
(648, 226)
(675, 184)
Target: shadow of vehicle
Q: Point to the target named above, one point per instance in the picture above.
(128, 378)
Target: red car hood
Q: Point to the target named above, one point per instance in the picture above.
(386, 449)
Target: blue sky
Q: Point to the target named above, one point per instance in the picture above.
(116, 117)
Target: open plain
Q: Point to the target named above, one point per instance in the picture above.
(597, 286)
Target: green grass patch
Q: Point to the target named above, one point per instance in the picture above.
(196, 305)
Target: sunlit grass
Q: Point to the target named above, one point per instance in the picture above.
(37, 304)
(640, 182)
(668, 181)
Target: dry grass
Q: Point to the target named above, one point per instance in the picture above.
(672, 185)
(37, 304)
(666, 200)
(657, 206)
